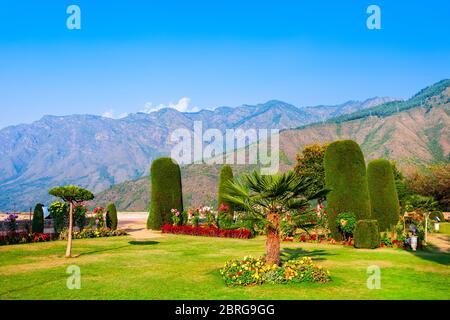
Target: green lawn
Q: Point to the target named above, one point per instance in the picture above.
(184, 267)
(444, 228)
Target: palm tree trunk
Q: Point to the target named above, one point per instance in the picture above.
(69, 235)
(273, 239)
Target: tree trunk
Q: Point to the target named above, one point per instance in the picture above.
(69, 234)
(273, 239)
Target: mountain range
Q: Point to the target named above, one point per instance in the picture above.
(105, 154)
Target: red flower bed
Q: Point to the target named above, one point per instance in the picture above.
(25, 237)
(208, 231)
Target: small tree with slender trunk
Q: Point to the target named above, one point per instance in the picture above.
(269, 199)
(73, 195)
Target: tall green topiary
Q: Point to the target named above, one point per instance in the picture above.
(166, 192)
(383, 193)
(111, 216)
(345, 176)
(225, 217)
(367, 234)
(37, 225)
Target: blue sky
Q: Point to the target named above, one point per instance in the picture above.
(135, 55)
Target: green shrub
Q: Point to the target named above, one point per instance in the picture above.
(79, 215)
(166, 192)
(367, 234)
(345, 176)
(225, 208)
(111, 216)
(383, 194)
(59, 212)
(37, 225)
(346, 222)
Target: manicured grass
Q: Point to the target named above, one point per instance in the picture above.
(444, 227)
(186, 267)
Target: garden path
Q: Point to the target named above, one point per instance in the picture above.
(135, 224)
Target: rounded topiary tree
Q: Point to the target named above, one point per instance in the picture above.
(72, 195)
(345, 177)
(367, 234)
(111, 216)
(166, 192)
(383, 193)
(224, 207)
(37, 225)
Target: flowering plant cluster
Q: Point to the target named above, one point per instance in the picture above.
(176, 217)
(314, 238)
(207, 232)
(91, 233)
(99, 211)
(25, 237)
(251, 271)
(346, 223)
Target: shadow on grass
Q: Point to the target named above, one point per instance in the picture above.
(102, 250)
(432, 253)
(294, 253)
(142, 243)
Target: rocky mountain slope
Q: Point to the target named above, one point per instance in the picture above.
(412, 131)
(97, 152)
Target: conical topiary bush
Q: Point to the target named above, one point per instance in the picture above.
(345, 176)
(37, 224)
(383, 193)
(225, 217)
(166, 192)
(111, 216)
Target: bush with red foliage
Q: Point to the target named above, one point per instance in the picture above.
(208, 231)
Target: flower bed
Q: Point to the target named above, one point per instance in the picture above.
(25, 237)
(208, 231)
(251, 271)
(94, 233)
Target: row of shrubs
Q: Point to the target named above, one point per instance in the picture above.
(251, 271)
(25, 237)
(211, 231)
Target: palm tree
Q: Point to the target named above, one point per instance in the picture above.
(268, 198)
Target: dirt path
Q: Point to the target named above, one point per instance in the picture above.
(135, 224)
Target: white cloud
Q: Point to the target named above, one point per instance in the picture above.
(111, 114)
(183, 105)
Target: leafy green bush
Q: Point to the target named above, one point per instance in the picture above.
(346, 222)
(345, 176)
(37, 225)
(383, 194)
(367, 234)
(79, 215)
(166, 192)
(59, 212)
(111, 216)
(251, 271)
(225, 207)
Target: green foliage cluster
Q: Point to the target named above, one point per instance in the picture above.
(346, 222)
(345, 176)
(59, 212)
(166, 192)
(37, 225)
(367, 234)
(310, 165)
(111, 216)
(79, 216)
(72, 194)
(383, 194)
(225, 207)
